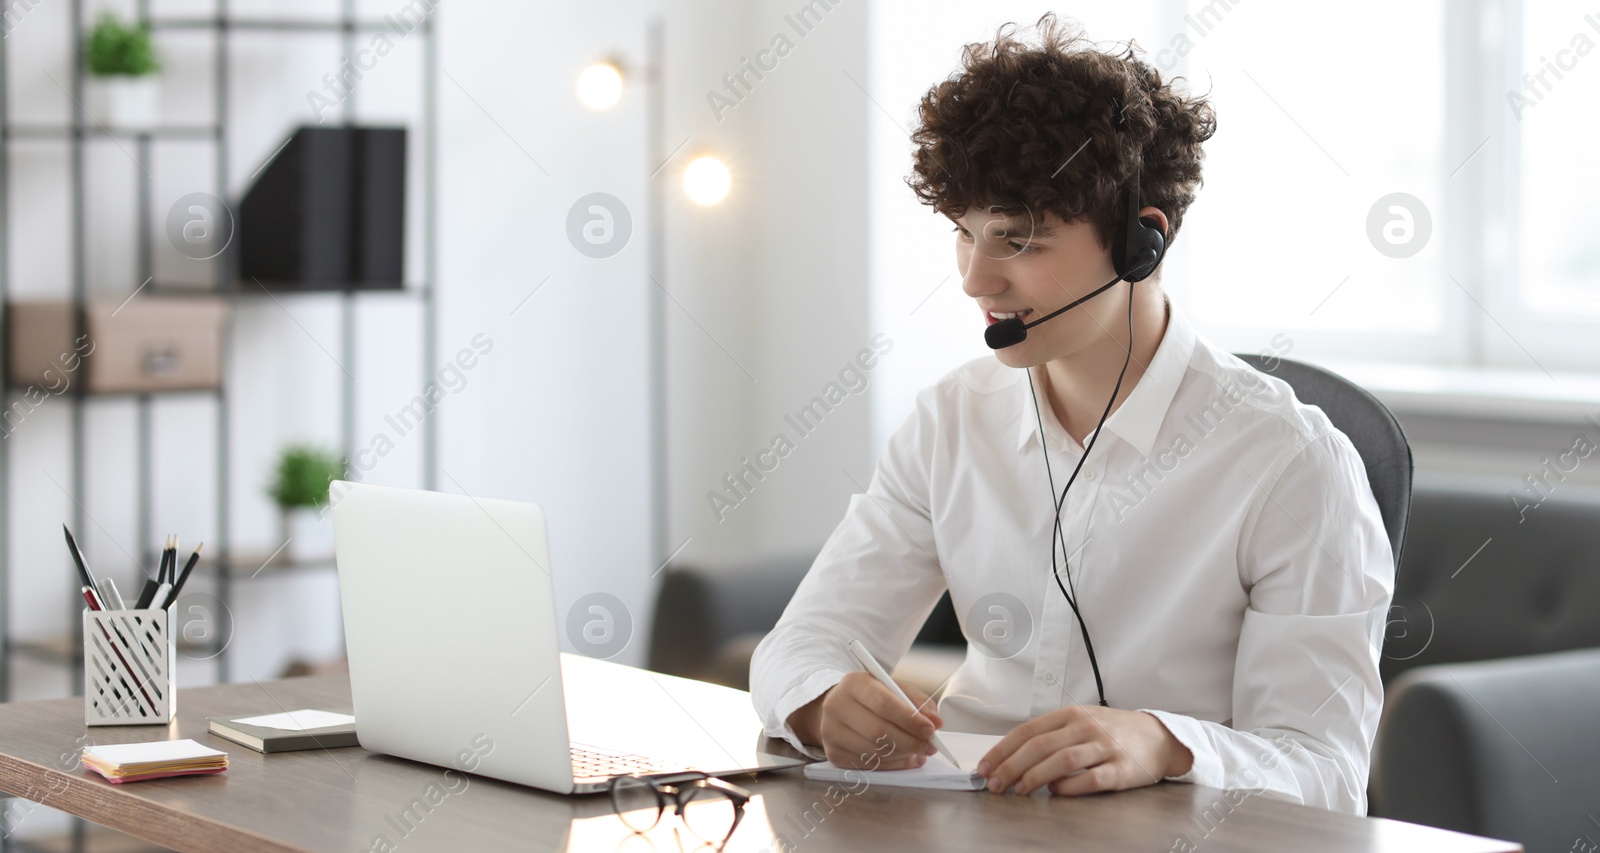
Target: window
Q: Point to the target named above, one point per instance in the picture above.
(1312, 133)
(1406, 193)
(1555, 107)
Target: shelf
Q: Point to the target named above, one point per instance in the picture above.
(218, 131)
(417, 289)
(245, 564)
(48, 650)
(11, 388)
(39, 131)
(98, 839)
(58, 648)
(248, 564)
(284, 25)
(413, 290)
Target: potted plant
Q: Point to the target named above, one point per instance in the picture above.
(123, 88)
(301, 492)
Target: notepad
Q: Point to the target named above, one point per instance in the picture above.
(937, 773)
(134, 762)
(289, 731)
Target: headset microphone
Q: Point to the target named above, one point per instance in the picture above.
(1009, 333)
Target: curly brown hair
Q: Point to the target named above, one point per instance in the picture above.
(1046, 127)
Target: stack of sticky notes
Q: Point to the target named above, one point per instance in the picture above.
(135, 762)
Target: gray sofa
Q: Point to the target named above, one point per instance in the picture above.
(1491, 667)
(707, 624)
(1491, 661)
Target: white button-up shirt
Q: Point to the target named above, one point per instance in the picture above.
(1226, 552)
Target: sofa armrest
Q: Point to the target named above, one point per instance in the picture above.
(699, 610)
(1507, 748)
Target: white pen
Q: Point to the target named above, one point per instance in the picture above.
(109, 595)
(159, 600)
(870, 664)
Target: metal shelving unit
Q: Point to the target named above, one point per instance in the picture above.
(223, 564)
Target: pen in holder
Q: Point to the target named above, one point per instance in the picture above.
(129, 658)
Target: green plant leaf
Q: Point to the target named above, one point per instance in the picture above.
(116, 48)
(303, 475)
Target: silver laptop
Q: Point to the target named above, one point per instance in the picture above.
(453, 636)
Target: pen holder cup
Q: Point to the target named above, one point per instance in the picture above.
(129, 657)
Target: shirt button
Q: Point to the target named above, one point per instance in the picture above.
(1049, 678)
(1088, 474)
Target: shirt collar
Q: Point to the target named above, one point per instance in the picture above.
(1139, 417)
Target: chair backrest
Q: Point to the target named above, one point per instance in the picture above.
(1369, 426)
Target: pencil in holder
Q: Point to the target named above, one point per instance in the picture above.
(129, 658)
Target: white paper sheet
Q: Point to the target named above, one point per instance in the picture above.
(936, 773)
(121, 754)
(298, 721)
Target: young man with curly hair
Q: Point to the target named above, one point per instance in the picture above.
(1221, 572)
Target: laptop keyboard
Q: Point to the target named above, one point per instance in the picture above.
(588, 762)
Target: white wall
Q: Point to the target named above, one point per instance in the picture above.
(777, 276)
(561, 414)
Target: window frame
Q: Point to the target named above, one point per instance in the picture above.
(1484, 324)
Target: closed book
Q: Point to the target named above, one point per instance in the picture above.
(269, 739)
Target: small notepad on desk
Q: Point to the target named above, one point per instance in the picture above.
(291, 730)
(937, 773)
(134, 762)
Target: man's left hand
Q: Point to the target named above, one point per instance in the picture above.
(1085, 749)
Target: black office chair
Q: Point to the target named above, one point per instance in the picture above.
(1369, 426)
(1376, 435)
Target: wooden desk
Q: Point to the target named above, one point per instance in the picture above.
(352, 800)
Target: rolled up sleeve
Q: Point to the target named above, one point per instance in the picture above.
(876, 579)
(1318, 567)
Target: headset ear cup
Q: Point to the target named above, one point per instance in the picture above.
(1130, 250)
(1142, 250)
(1157, 239)
(1140, 243)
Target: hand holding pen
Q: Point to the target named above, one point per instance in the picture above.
(858, 650)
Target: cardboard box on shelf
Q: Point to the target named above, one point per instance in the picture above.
(148, 344)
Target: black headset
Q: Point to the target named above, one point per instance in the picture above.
(1136, 252)
(1140, 243)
